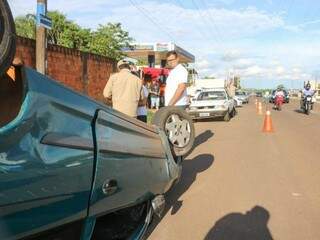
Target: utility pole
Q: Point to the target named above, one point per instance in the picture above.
(41, 38)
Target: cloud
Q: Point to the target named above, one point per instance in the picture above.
(253, 71)
(231, 55)
(278, 73)
(220, 36)
(202, 64)
(243, 63)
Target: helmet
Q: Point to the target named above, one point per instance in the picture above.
(308, 86)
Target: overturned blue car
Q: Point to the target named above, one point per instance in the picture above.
(73, 168)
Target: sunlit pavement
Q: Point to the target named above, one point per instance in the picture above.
(240, 183)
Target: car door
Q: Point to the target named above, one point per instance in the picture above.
(46, 160)
(131, 163)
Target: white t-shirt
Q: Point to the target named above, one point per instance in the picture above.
(177, 75)
(142, 111)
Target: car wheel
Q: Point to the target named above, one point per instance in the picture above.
(7, 37)
(179, 128)
(226, 117)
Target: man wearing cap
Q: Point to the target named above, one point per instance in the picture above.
(124, 90)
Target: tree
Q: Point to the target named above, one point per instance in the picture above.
(109, 39)
(67, 33)
(26, 26)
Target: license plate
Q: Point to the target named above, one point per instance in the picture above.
(204, 114)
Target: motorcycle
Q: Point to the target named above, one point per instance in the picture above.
(279, 100)
(307, 104)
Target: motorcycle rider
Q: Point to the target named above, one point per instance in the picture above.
(279, 93)
(307, 91)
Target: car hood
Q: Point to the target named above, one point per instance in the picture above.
(207, 103)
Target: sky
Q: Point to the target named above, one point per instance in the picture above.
(265, 42)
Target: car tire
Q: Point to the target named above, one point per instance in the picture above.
(226, 117)
(178, 126)
(7, 37)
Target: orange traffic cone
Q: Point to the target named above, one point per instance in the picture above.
(267, 126)
(259, 109)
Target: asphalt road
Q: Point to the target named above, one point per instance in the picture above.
(240, 183)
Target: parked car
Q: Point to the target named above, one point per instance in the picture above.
(72, 168)
(212, 103)
(286, 98)
(259, 94)
(237, 101)
(243, 96)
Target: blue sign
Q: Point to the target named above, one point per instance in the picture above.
(45, 21)
(42, 19)
(41, 10)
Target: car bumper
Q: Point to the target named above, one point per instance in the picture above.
(207, 114)
(244, 100)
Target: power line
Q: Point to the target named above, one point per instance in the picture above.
(203, 17)
(220, 38)
(143, 11)
(199, 29)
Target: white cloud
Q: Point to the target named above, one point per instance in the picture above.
(202, 64)
(219, 37)
(231, 55)
(279, 70)
(253, 71)
(243, 63)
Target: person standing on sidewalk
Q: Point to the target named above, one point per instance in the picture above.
(176, 87)
(124, 90)
(155, 94)
(142, 112)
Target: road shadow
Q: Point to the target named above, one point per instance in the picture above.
(215, 119)
(190, 169)
(299, 111)
(237, 226)
(202, 138)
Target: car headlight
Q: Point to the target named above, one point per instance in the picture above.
(192, 108)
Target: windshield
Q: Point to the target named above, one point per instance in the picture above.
(240, 94)
(214, 95)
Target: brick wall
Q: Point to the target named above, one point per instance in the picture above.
(83, 72)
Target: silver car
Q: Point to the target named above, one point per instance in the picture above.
(212, 103)
(243, 96)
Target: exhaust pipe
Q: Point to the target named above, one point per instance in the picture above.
(158, 205)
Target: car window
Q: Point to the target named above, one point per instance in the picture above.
(214, 95)
(240, 94)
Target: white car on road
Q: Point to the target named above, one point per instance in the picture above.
(212, 103)
(237, 101)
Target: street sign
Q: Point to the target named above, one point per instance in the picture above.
(42, 19)
(45, 21)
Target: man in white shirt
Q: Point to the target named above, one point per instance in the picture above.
(176, 85)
